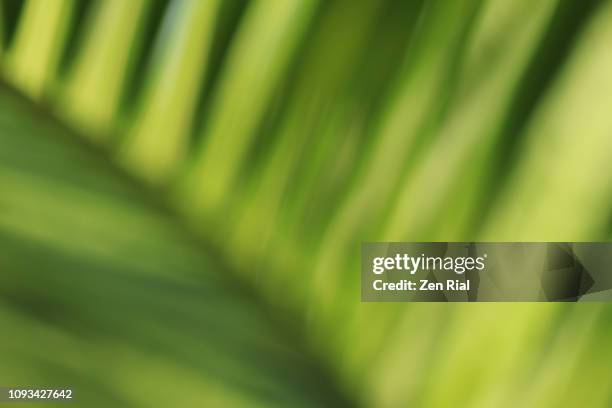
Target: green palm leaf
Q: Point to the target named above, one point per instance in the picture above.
(184, 185)
(103, 289)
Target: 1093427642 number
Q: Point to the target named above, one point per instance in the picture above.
(38, 394)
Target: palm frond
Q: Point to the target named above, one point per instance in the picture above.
(162, 153)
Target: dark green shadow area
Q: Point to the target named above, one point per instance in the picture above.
(102, 290)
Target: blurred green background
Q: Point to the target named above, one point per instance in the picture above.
(185, 184)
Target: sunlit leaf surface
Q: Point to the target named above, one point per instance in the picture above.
(185, 184)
